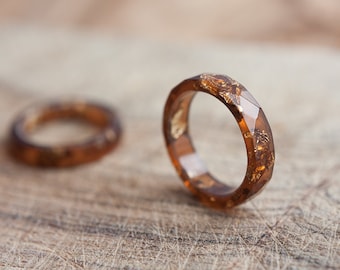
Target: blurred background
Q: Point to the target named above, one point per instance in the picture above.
(287, 21)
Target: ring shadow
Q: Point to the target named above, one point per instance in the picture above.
(181, 196)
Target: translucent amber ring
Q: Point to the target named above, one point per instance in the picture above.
(254, 127)
(22, 148)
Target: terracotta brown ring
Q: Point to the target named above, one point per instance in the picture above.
(254, 127)
(26, 151)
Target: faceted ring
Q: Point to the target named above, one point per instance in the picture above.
(254, 127)
(23, 149)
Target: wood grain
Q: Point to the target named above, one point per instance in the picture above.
(130, 210)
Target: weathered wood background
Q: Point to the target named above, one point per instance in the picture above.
(130, 210)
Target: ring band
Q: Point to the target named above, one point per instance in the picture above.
(26, 151)
(254, 127)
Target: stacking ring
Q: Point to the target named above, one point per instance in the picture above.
(254, 127)
(31, 153)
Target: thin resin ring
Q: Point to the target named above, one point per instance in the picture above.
(22, 148)
(254, 127)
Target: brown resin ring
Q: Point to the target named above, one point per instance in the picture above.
(254, 127)
(26, 151)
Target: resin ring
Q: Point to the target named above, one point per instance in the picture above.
(25, 150)
(254, 127)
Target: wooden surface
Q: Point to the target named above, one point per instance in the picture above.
(130, 210)
(297, 21)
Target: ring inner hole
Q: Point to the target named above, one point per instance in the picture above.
(218, 141)
(56, 126)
